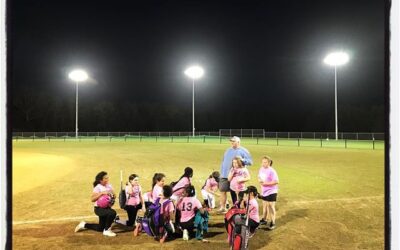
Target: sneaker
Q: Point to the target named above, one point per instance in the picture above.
(109, 233)
(80, 226)
(162, 240)
(137, 230)
(263, 222)
(116, 218)
(185, 234)
(222, 211)
(271, 226)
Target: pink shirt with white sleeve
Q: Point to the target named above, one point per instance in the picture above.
(100, 188)
(239, 173)
(188, 207)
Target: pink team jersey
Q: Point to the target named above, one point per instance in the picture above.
(188, 207)
(253, 210)
(134, 197)
(180, 186)
(166, 209)
(211, 184)
(268, 174)
(157, 191)
(100, 188)
(239, 173)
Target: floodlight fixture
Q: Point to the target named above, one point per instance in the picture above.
(336, 58)
(194, 72)
(77, 76)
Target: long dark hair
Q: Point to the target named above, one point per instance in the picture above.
(157, 177)
(99, 177)
(188, 173)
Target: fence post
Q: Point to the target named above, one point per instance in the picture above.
(220, 140)
(301, 135)
(125, 138)
(257, 140)
(276, 135)
(140, 137)
(204, 138)
(357, 136)
(298, 142)
(314, 135)
(345, 143)
(110, 138)
(321, 141)
(156, 138)
(65, 137)
(95, 138)
(188, 139)
(172, 138)
(288, 135)
(277, 141)
(373, 144)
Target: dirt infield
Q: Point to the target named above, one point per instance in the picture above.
(26, 166)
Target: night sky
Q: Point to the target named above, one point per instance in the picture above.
(263, 63)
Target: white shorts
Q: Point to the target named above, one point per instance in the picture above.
(210, 197)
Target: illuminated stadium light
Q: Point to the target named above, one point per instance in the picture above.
(77, 76)
(336, 59)
(194, 72)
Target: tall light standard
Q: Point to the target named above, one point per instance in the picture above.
(336, 59)
(194, 72)
(77, 76)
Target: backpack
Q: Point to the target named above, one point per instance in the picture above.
(153, 220)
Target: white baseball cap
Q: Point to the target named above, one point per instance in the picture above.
(235, 139)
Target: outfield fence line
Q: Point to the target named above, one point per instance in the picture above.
(295, 142)
(251, 133)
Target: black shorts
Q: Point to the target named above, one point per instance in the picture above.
(271, 197)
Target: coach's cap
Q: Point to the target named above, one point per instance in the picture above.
(235, 139)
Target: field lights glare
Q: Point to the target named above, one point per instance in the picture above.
(78, 75)
(336, 59)
(194, 72)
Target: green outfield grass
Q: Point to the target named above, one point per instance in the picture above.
(330, 197)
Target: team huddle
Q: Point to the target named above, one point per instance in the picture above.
(174, 210)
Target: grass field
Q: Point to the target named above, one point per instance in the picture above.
(330, 198)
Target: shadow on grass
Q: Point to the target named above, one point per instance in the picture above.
(289, 216)
(217, 225)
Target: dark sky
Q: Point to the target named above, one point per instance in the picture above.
(260, 57)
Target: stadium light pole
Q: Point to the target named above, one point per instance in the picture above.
(194, 72)
(77, 76)
(336, 59)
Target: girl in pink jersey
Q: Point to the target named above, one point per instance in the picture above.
(188, 206)
(269, 180)
(158, 183)
(167, 213)
(238, 175)
(254, 220)
(106, 214)
(181, 184)
(134, 199)
(210, 189)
